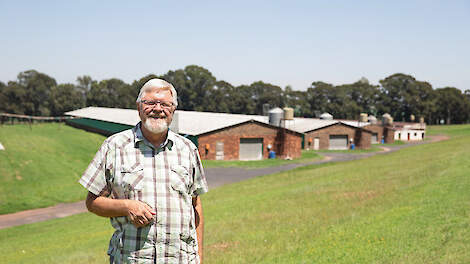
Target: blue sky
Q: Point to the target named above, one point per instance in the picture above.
(279, 42)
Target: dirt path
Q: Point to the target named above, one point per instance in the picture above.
(215, 177)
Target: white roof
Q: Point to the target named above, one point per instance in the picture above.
(116, 115)
(196, 123)
(303, 125)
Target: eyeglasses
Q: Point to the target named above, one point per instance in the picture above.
(163, 104)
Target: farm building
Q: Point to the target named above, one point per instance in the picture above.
(409, 131)
(336, 135)
(379, 132)
(217, 135)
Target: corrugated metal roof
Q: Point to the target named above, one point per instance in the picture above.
(115, 115)
(196, 123)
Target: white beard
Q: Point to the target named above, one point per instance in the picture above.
(155, 126)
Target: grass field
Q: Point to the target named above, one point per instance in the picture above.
(307, 156)
(39, 170)
(410, 206)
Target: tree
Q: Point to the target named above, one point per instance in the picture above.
(403, 96)
(194, 85)
(84, 84)
(66, 97)
(319, 96)
(265, 93)
(13, 98)
(38, 86)
(452, 106)
(110, 93)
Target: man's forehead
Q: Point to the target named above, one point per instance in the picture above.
(158, 92)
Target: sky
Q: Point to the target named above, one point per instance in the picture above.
(279, 42)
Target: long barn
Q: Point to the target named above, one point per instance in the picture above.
(223, 136)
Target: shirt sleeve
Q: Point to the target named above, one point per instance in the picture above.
(94, 177)
(199, 179)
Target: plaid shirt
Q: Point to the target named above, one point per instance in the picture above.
(127, 166)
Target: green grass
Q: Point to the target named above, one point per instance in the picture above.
(409, 206)
(395, 143)
(373, 148)
(307, 156)
(42, 164)
(81, 238)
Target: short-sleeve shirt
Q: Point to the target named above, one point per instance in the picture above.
(127, 166)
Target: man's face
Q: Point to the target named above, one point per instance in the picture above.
(156, 118)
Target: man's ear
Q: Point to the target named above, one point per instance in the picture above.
(138, 106)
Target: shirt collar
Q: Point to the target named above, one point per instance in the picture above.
(139, 137)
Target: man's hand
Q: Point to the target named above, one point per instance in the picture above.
(139, 213)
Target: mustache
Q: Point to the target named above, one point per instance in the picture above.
(157, 116)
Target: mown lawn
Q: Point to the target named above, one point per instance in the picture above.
(41, 165)
(307, 156)
(409, 206)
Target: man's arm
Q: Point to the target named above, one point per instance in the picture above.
(138, 212)
(197, 205)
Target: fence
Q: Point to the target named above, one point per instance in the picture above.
(6, 118)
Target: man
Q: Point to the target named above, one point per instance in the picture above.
(148, 180)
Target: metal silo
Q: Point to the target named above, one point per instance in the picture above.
(326, 116)
(387, 119)
(363, 117)
(288, 113)
(275, 116)
(372, 119)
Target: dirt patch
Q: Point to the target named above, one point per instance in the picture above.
(224, 245)
(437, 138)
(367, 195)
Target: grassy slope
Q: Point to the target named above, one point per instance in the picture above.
(39, 170)
(410, 206)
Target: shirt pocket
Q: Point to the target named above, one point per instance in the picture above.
(179, 179)
(132, 183)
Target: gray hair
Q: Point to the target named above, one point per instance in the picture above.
(158, 84)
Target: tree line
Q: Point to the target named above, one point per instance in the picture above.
(400, 95)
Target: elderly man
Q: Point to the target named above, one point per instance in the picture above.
(148, 180)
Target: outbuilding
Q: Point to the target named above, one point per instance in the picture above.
(338, 136)
(409, 131)
(379, 132)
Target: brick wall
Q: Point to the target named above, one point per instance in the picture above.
(361, 138)
(389, 135)
(382, 131)
(231, 139)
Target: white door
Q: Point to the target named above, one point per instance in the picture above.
(219, 150)
(316, 143)
(251, 149)
(374, 138)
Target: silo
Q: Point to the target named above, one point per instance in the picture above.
(326, 116)
(387, 119)
(288, 113)
(363, 117)
(372, 119)
(275, 116)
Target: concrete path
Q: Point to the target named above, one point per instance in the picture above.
(215, 177)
